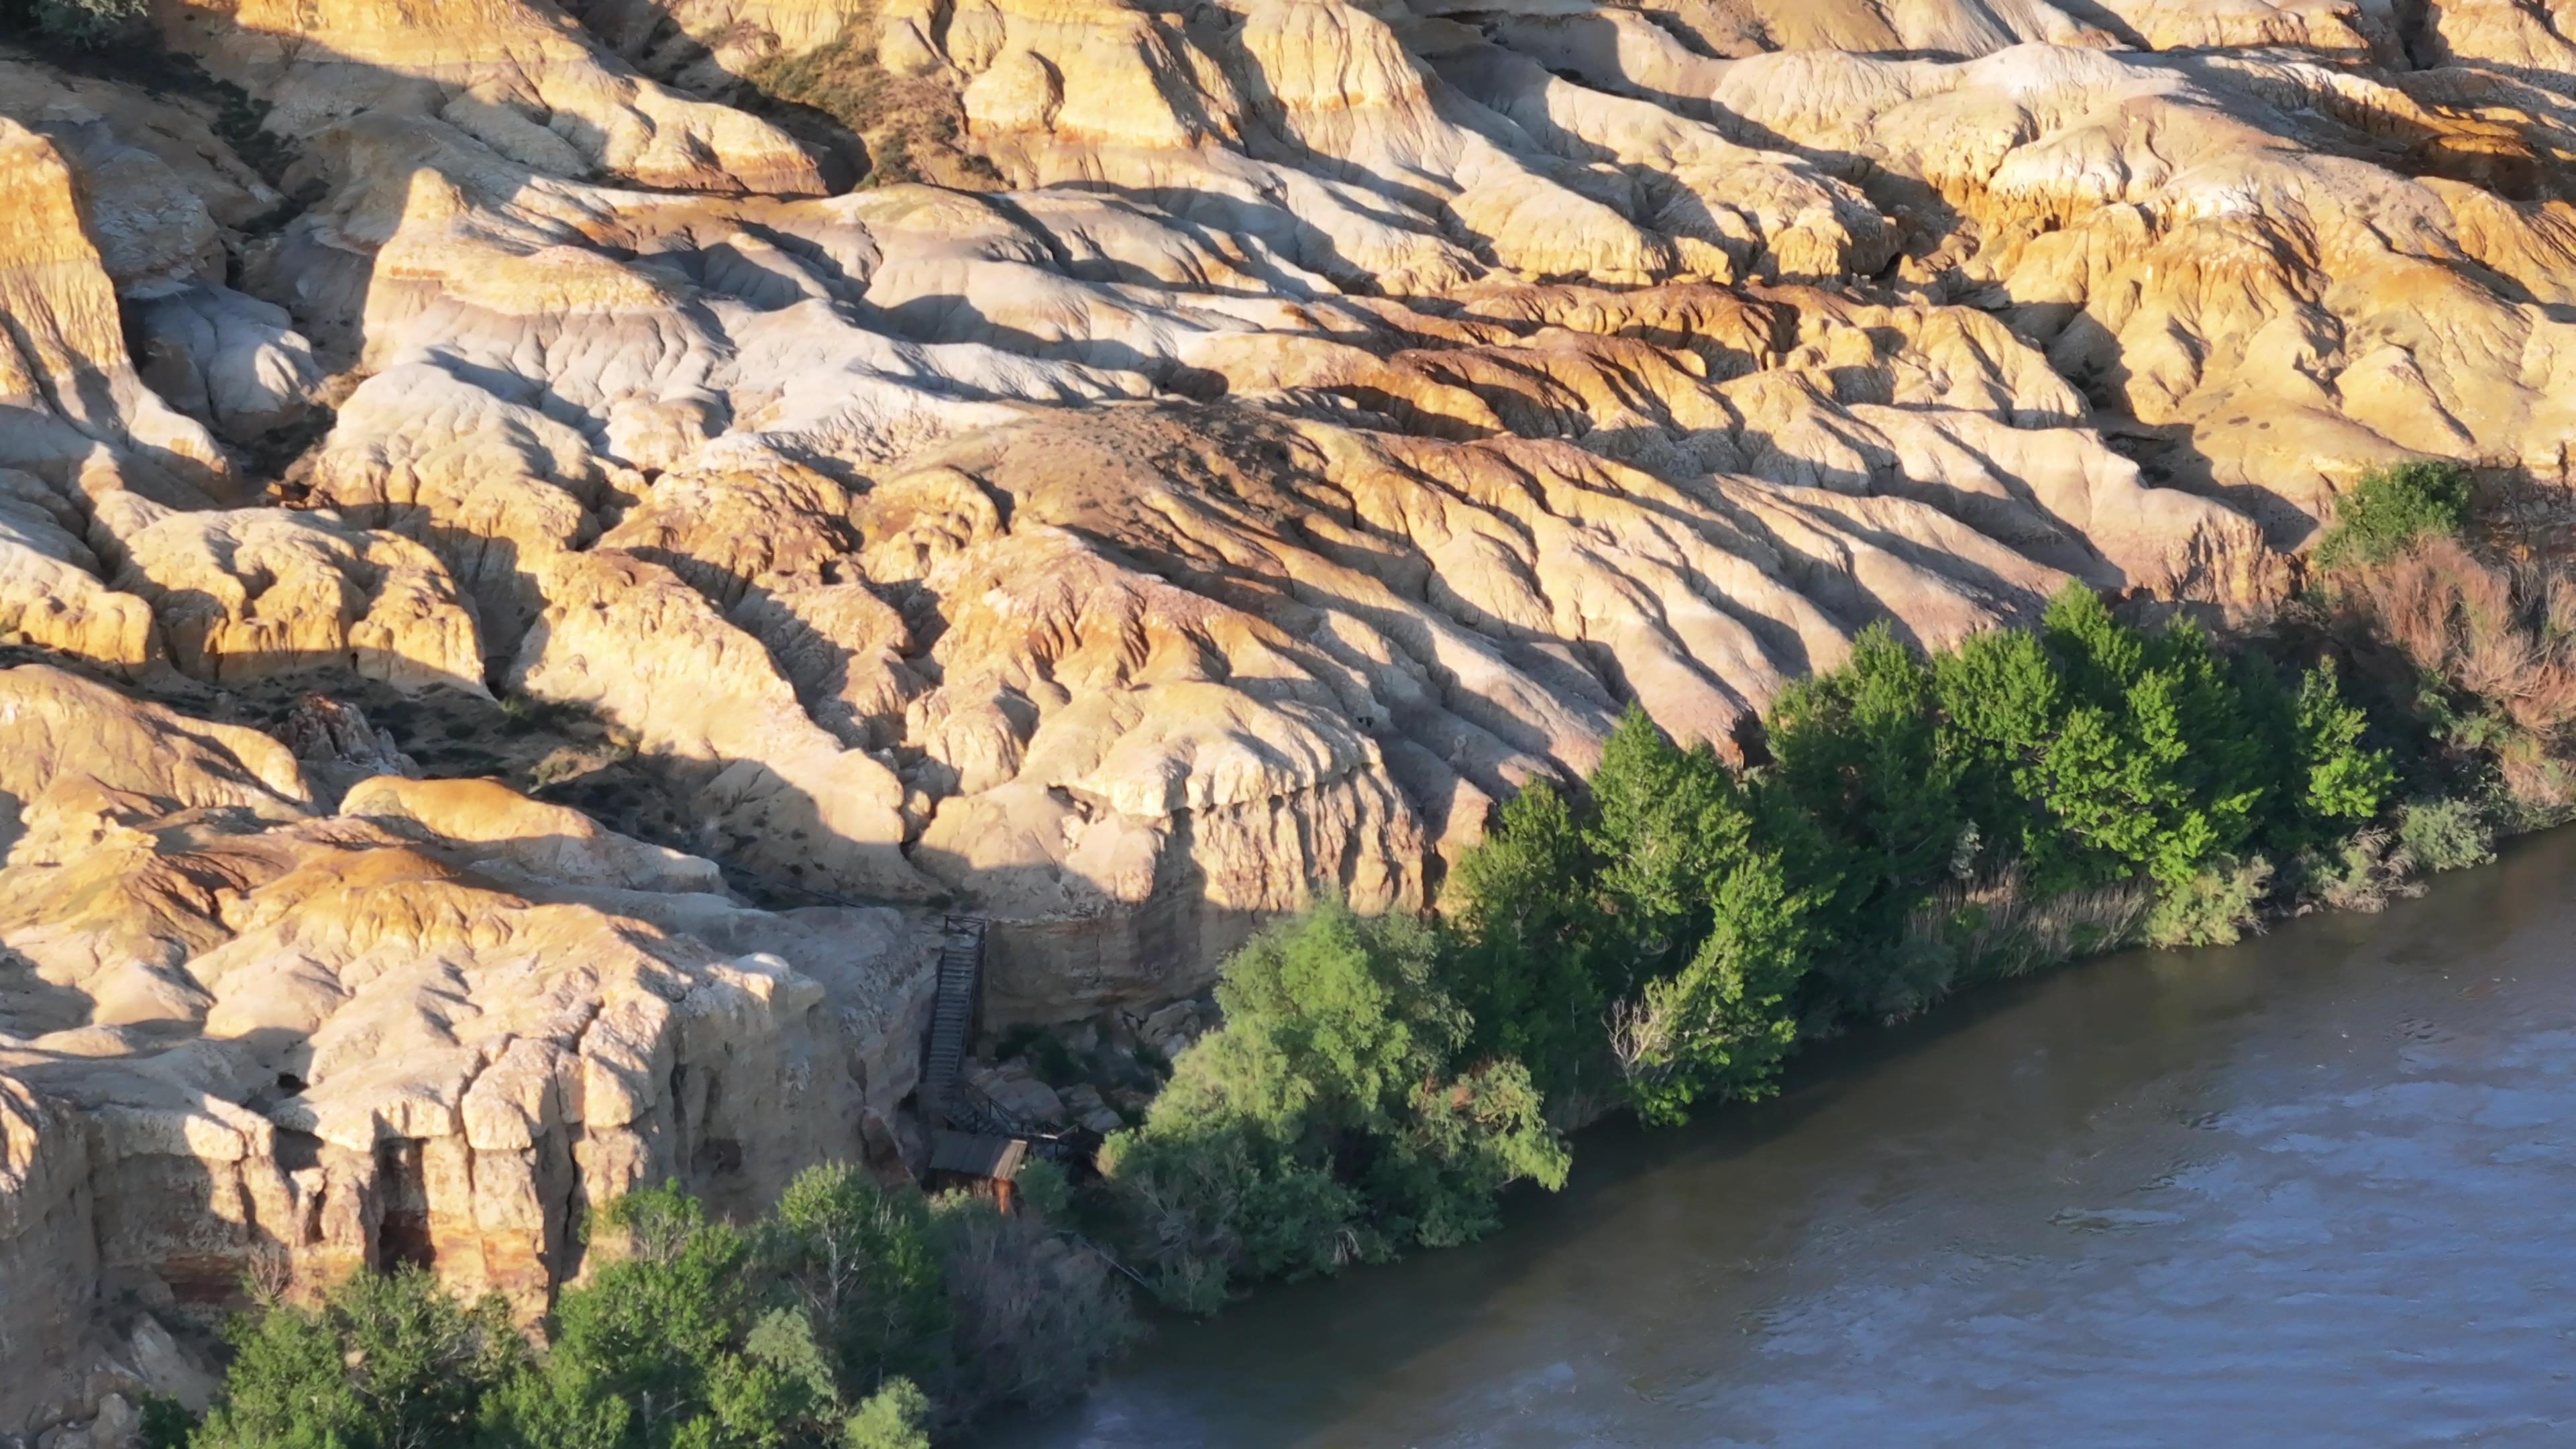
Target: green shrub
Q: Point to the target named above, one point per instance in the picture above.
(894, 1417)
(2445, 834)
(1044, 1189)
(1329, 1120)
(2390, 508)
(2214, 907)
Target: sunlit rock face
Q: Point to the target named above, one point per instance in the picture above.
(246, 1035)
(1334, 419)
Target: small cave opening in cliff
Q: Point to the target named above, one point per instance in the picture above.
(402, 1188)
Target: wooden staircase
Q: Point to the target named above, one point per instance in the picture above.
(952, 1016)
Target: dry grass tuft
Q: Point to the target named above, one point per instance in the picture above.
(2495, 627)
(1996, 925)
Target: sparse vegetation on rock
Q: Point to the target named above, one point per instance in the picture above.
(912, 126)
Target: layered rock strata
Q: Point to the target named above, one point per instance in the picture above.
(1339, 415)
(242, 1037)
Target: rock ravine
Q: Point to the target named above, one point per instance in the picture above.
(533, 567)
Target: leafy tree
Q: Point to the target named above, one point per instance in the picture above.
(1873, 804)
(1528, 956)
(2344, 783)
(388, 1362)
(894, 1417)
(862, 1264)
(2225, 767)
(669, 1347)
(287, 1388)
(1714, 939)
(1325, 1121)
(2099, 657)
(1859, 748)
(2001, 703)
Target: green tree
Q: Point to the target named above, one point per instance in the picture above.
(863, 1265)
(2224, 767)
(1325, 1121)
(1859, 749)
(2343, 783)
(2001, 704)
(1528, 954)
(1712, 937)
(2098, 656)
(669, 1346)
(387, 1362)
(287, 1389)
(896, 1416)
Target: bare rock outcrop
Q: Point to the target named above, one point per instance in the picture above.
(260, 593)
(239, 1035)
(518, 75)
(72, 408)
(164, 200)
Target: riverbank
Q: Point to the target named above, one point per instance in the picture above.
(2308, 1181)
(1659, 937)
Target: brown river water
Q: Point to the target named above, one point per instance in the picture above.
(2318, 1189)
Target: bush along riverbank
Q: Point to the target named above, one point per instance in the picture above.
(1658, 938)
(1661, 937)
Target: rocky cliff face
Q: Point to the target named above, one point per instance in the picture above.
(1336, 416)
(246, 1036)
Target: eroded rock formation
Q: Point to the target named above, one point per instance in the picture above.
(242, 1036)
(1338, 415)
